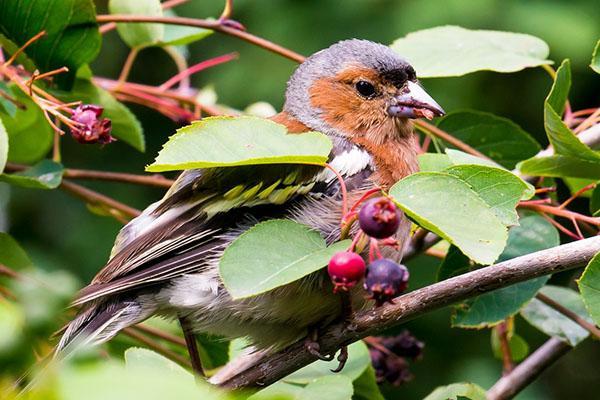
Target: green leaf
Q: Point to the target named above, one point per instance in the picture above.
(125, 126)
(572, 157)
(358, 361)
(72, 37)
(11, 254)
(455, 51)
(519, 349)
(446, 205)
(278, 391)
(138, 35)
(458, 157)
(498, 138)
(179, 35)
(595, 64)
(455, 263)
(552, 322)
(3, 146)
(12, 323)
(433, 162)
(499, 188)
(457, 391)
(46, 174)
(533, 234)
(272, 254)
(333, 387)
(232, 141)
(139, 358)
(29, 135)
(365, 386)
(6, 105)
(589, 286)
(595, 202)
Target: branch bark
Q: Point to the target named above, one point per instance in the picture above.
(510, 385)
(418, 302)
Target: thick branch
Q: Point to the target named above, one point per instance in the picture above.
(419, 302)
(526, 372)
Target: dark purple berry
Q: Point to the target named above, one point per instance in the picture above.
(346, 269)
(379, 218)
(385, 280)
(404, 345)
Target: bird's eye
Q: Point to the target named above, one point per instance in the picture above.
(365, 89)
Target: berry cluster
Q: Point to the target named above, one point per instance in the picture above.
(390, 355)
(378, 218)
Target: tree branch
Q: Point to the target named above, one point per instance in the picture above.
(418, 302)
(215, 25)
(510, 385)
(591, 328)
(97, 198)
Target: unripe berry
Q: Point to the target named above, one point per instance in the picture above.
(379, 218)
(385, 280)
(346, 269)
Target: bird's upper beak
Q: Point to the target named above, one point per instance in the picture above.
(414, 102)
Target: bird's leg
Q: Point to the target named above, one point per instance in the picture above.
(192, 346)
(346, 315)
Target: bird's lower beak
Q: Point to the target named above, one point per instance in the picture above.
(414, 102)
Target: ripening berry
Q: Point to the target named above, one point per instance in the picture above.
(385, 280)
(346, 269)
(379, 218)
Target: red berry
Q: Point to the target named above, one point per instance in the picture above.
(346, 269)
(379, 218)
(385, 280)
(89, 127)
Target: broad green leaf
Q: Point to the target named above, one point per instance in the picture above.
(433, 162)
(595, 64)
(358, 361)
(46, 174)
(3, 146)
(519, 349)
(366, 387)
(72, 37)
(138, 35)
(455, 263)
(12, 323)
(11, 254)
(272, 254)
(278, 391)
(331, 387)
(139, 358)
(455, 51)
(458, 157)
(29, 134)
(498, 138)
(499, 188)
(589, 286)
(552, 322)
(533, 234)
(125, 126)
(595, 202)
(6, 105)
(448, 206)
(572, 157)
(232, 141)
(458, 391)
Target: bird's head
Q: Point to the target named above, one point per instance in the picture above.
(358, 88)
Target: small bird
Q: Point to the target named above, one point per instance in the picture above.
(165, 262)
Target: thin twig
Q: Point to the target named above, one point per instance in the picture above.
(527, 371)
(166, 336)
(93, 197)
(507, 362)
(588, 326)
(275, 366)
(171, 355)
(127, 65)
(215, 25)
(430, 129)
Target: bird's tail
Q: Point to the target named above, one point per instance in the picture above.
(100, 322)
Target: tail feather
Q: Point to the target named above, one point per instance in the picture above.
(101, 322)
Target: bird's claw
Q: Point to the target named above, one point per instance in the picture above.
(342, 358)
(313, 347)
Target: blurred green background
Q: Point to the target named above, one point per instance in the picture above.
(59, 233)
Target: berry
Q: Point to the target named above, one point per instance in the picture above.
(346, 269)
(404, 345)
(385, 280)
(379, 218)
(90, 128)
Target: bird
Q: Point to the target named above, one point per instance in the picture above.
(359, 93)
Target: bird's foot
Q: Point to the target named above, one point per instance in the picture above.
(311, 343)
(342, 358)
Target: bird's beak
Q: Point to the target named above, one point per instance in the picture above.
(414, 102)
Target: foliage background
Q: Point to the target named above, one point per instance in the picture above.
(60, 234)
